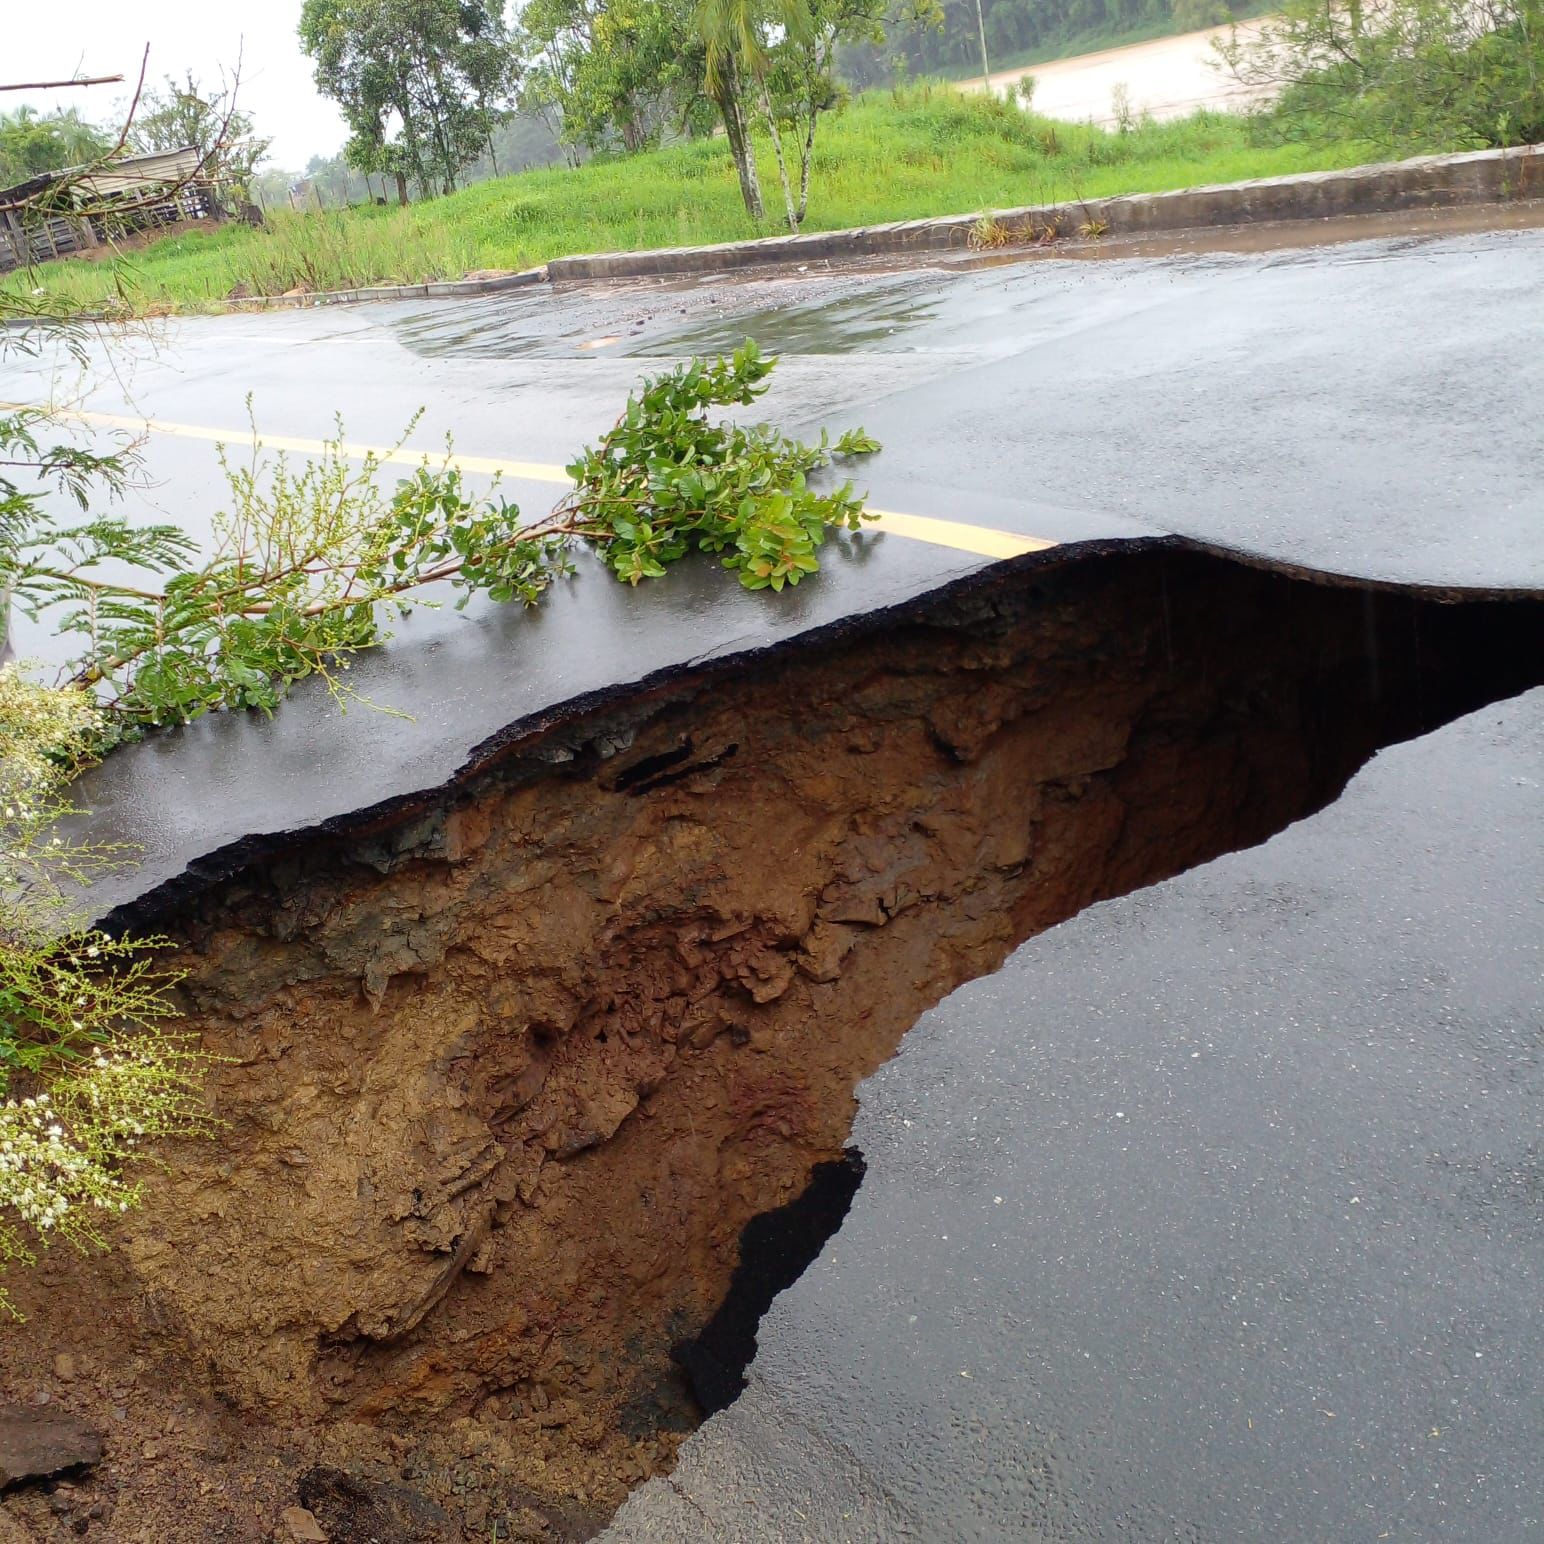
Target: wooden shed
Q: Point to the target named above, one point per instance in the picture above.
(95, 204)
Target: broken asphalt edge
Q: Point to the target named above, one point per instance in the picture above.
(1469, 178)
(161, 899)
(164, 898)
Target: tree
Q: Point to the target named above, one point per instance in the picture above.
(178, 116)
(724, 87)
(805, 78)
(615, 70)
(783, 54)
(1449, 74)
(740, 37)
(422, 83)
(32, 142)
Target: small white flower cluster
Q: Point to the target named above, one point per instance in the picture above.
(43, 1173)
(60, 1155)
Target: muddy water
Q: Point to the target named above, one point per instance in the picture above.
(1166, 78)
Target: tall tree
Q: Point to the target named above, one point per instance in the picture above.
(422, 83)
(725, 89)
(782, 55)
(614, 69)
(804, 77)
(740, 36)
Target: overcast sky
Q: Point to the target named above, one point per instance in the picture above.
(57, 40)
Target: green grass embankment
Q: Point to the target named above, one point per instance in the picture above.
(923, 151)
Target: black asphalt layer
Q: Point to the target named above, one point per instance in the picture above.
(1216, 1215)
(1360, 410)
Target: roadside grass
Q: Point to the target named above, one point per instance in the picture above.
(922, 150)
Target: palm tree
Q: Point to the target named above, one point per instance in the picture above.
(736, 33)
(31, 143)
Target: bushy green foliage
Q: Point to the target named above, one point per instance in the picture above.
(188, 113)
(32, 142)
(306, 558)
(89, 1067)
(617, 72)
(1422, 74)
(420, 82)
(669, 479)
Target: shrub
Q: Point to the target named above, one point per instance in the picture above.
(1437, 74)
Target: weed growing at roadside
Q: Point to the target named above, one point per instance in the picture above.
(89, 1069)
(988, 233)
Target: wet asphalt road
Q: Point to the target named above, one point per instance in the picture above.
(1216, 1214)
(1366, 409)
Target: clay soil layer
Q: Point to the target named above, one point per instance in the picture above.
(506, 1072)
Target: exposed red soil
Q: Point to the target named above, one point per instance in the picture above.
(504, 1078)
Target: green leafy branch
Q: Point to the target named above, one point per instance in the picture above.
(306, 559)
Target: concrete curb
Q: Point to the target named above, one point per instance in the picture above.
(435, 290)
(1426, 182)
(1440, 181)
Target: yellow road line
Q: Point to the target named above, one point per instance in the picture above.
(986, 541)
(529, 471)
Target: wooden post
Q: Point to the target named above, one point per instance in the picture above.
(16, 237)
(986, 69)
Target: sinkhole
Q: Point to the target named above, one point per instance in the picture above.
(538, 1088)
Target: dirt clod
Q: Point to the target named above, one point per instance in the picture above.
(35, 1445)
(299, 1526)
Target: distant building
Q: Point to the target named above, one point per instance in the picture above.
(93, 204)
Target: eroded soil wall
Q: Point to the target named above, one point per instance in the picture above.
(508, 1074)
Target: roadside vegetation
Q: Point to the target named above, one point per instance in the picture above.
(697, 121)
(922, 150)
(1406, 74)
